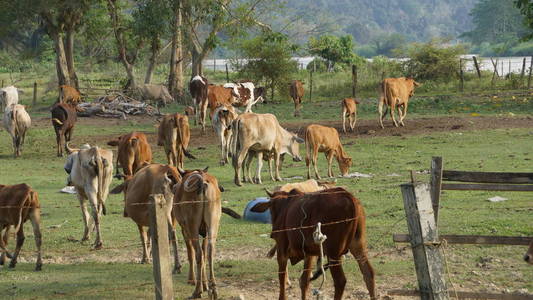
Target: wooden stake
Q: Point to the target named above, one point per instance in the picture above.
(529, 77)
(354, 79)
(461, 75)
(435, 185)
(227, 73)
(311, 86)
(523, 71)
(34, 102)
(477, 67)
(160, 248)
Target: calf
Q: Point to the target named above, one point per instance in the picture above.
(16, 122)
(90, 171)
(349, 109)
(69, 95)
(320, 138)
(149, 180)
(296, 90)
(198, 87)
(198, 209)
(222, 119)
(395, 94)
(174, 134)
(8, 95)
(528, 257)
(343, 222)
(63, 119)
(308, 186)
(133, 152)
(18, 203)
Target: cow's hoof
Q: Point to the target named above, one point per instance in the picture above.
(222, 163)
(196, 296)
(98, 246)
(238, 182)
(38, 267)
(12, 264)
(213, 295)
(191, 282)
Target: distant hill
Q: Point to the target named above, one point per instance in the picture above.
(417, 20)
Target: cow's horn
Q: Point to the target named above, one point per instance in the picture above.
(70, 150)
(269, 193)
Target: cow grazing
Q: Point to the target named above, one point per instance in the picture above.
(17, 121)
(296, 90)
(395, 94)
(349, 109)
(174, 134)
(198, 210)
(320, 138)
(198, 88)
(18, 203)
(308, 186)
(154, 92)
(528, 257)
(8, 95)
(63, 119)
(133, 152)
(222, 119)
(90, 172)
(149, 180)
(343, 222)
(69, 95)
(261, 133)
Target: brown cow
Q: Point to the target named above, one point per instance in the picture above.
(133, 152)
(151, 179)
(217, 96)
(174, 134)
(63, 119)
(320, 138)
(296, 90)
(395, 93)
(343, 222)
(18, 203)
(528, 257)
(69, 95)
(198, 88)
(198, 209)
(349, 109)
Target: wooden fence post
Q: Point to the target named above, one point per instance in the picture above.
(435, 184)
(530, 69)
(523, 71)
(2, 84)
(477, 67)
(424, 241)
(495, 73)
(311, 86)
(214, 63)
(160, 248)
(461, 75)
(354, 79)
(34, 102)
(227, 73)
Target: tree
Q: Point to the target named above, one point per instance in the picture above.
(175, 76)
(526, 8)
(385, 44)
(333, 49)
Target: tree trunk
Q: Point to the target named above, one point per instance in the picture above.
(69, 51)
(121, 43)
(61, 59)
(175, 76)
(155, 49)
(197, 59)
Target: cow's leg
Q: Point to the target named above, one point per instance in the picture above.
(339, 280)
(213, 221)
(174, 241)
(93, 201)
(20, 242)
(14, 145)
(85, 216)
(144, 243)
(309, 262)
(35, 218)
(329, 157)
(191, 257)
(282, 275)
(277, 164)
(247, 173)
(314, 160)
(257, 178)
(359, 250)
(380, 112)
(199, 263)
(238, 164)
(344, 119)
(59, 134)
(204, 263)
(203, 114)
(270, 168)
(352, 126)
(4, 236)
(404, 113)
(392, 108)
(223, 147)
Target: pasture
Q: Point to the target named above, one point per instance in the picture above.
(484, 132)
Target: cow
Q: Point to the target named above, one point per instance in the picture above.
(349, 109)
(189, 112)
(325, 139)
(174, 134)
(8, 95)
(296, 90)
(69, 95)
(90, 171)
(223, 116)
(17, 121)
(218, 95)
(343, 223)
(154, 92)
(18, 203)
(308, 186)
(268, 156)
(198, 87)
(63, 119)
(395, 94)
(246, 94)
(133, 152)
(259, 133)
(198, 208)
(149, 180)
(528, 257)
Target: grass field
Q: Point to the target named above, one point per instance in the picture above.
(494, 135)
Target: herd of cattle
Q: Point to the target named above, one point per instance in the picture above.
(193, 197)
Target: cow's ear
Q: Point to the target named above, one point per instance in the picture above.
(113, 143)
(261, 207)
(118, 189)
(205, 169)
(221, 188)
(181, 171)
(417, 84)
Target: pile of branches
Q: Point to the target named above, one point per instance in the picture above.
(115, 105)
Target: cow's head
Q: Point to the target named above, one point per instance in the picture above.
(411, 85)
(277, 204)
(344, 165)
(294, 147)
(528, 257)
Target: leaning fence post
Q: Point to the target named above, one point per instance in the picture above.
(160, 248)
(477, 67)
(424, 241)
(436, 184)
(530, 69)
(34, 101)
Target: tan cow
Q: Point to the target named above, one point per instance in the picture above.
(17, 121)
(91, 172)
(133, 152)
(320, 138)
(198, 210)
(18, 203)
(261, 133)
(174, 134)
(222, 119)
(296, 90)
(69, 95)
(349, 109)
(528, 257)
(395, 94)
(308, 186)
(151, 179)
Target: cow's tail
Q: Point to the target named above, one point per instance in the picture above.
(25, 204)
(180, 135)
(100, 174)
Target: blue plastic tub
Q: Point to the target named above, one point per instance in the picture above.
(263, 217)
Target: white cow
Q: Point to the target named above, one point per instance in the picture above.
(222, 119)
(91, 172)
(8, 95)
(16, 122)
(244, 100)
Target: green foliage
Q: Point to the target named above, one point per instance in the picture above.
(333, 49)
(526, 8)
(386, 44)
(433, 61)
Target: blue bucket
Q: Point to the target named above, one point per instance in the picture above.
(263, 217)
